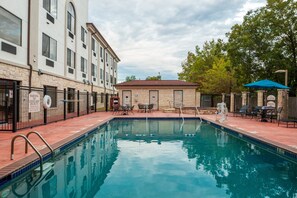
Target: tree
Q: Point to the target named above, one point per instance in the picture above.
(130, 78)
(154, 77)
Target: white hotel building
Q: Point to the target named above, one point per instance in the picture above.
(51, 43)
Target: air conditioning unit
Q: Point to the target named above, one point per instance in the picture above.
(84, 46)
(70, 35)
(84, 75)
(70, 70)
(94, 79)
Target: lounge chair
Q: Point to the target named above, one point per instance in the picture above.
(141, 107)
(242, 111)
(288, 122)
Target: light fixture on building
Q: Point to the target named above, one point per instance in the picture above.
(40, 72)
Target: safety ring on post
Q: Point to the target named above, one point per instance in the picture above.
(47, 101)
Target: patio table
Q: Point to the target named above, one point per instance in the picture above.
(264, 111)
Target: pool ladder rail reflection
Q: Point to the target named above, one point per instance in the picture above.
(27, 141)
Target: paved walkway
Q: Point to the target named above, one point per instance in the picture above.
(59, 133)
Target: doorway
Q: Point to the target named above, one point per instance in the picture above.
(127, 96)
(6, 101)
(178, 98)
(154, 98)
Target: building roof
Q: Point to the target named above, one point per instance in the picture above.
(93, 28)
(156, 83)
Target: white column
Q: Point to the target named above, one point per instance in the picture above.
(260, 97)
(232, 101)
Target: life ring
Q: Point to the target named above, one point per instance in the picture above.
(47, 101)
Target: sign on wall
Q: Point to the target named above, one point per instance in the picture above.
(34, 102)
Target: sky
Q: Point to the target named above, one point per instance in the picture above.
(152, 36)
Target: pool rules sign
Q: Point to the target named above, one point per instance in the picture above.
(34, 102)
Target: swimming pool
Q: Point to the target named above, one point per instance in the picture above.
(160, 158)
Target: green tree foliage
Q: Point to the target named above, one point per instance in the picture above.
(130, 78)
(265, 42)
(154, 77)
(204, 68)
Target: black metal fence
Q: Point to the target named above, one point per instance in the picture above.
(210, 100)
(16, 113)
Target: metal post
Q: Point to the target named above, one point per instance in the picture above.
(64, 104)
(77, 103)
(44, 109)
(15, 109)
(87, 102)
(106, 102)
(95, 101)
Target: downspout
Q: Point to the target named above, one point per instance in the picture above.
(28, 52)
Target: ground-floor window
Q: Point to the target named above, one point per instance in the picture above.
(52, 92)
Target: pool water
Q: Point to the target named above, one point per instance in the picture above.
(160, 158)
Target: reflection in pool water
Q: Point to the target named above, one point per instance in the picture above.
(135, 158)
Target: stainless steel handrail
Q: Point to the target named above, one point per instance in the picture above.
(44, 141)
(182, 115)
(30, 143)
(198, 113)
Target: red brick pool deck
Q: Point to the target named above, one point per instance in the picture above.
(62, 132)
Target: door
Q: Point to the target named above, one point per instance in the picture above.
(178, 98)
(127, 97)
(6, 101)
(154, 99)
(70, 98)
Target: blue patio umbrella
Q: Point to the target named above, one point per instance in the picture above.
(266, 84)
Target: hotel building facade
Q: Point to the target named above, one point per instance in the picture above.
(50, 44)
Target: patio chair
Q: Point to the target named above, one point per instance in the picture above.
(150, 107)
(255, 112)
(242, 111)
(131, 109)
(275, 115)
(116, 108)
(141, 107)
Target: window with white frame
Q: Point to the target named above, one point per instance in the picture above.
(101, 74)
(83, 35)
(10, 27)
(93, 43)
(94, 70)
(107, 77)
(115, 81)
(70, 58)
(111, 79)
(101, 52)
(71, 18)
(83, 65)
(49, 47)
(51, 7)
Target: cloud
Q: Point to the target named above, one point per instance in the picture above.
(152, 36)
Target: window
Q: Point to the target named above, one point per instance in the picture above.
(107, 77)
(94, 70)
(49, 47)
(101, 74)
(93, 45)
(70, 58)
(83, 35)
(10, 27)
(111, 79)
(51, 7)
(115, 81)
(101, 52)
(106, 57)
(71, 18)
(83, 64)
(52, 92)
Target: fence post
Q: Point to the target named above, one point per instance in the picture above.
(64, 104)
(87, 102)
(95, 101)
(44, 109)
(15, 109)
(106, 102)
(77, 103)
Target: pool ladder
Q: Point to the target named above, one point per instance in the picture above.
(26, 138)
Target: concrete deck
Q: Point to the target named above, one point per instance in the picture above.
(62, 132)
